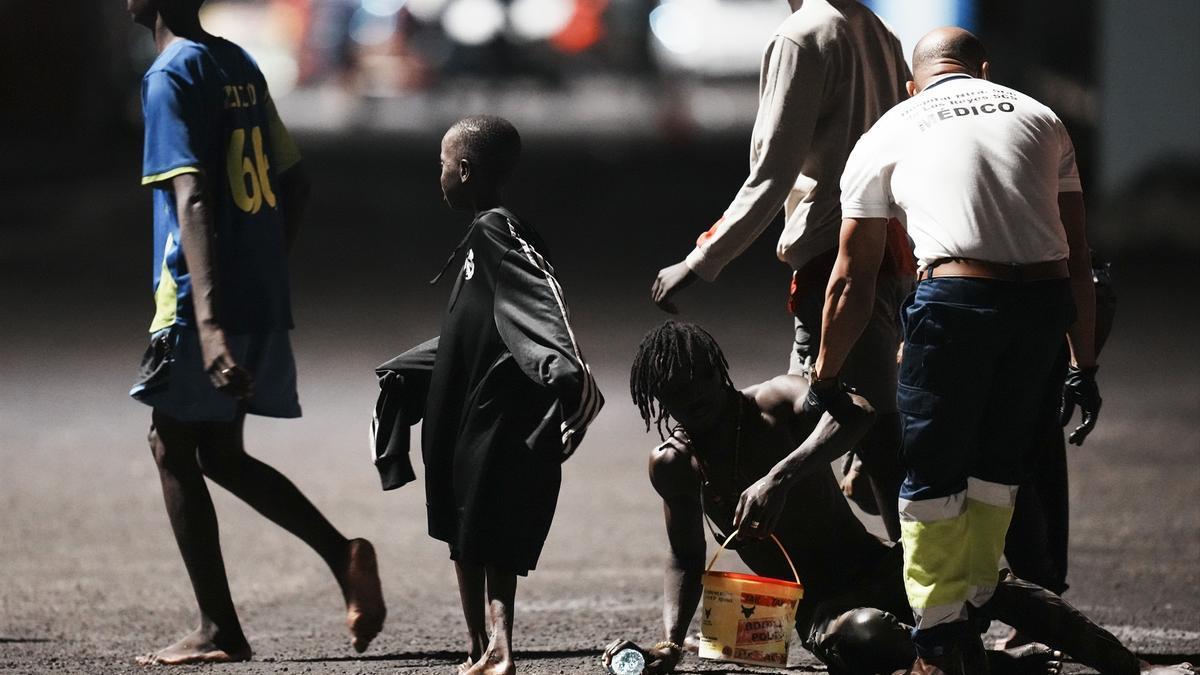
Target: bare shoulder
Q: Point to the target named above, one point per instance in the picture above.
(672, 469)
(785, 398)
(780, 394)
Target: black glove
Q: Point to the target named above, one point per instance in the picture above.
(829, 395)
(1079, 388)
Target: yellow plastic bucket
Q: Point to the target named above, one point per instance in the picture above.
(748, 619)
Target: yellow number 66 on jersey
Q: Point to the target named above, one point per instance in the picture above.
(248, 177)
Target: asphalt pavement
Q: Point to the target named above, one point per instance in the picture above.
(89, 573)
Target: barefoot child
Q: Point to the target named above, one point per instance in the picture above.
(229, 189)
(504, 391)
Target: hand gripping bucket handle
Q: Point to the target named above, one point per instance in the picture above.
(747, 618)
(738, 531)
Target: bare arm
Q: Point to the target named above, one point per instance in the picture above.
(1079, 387)
(685, 565)
(793, 80)
(197, 231)
(1082, 334)
(671, 474)
(832, 436)
(851, 291)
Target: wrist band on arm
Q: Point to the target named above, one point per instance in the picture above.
(663, 644)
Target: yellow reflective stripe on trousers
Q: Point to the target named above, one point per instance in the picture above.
(952, 548)
(989, 511)
(934, 534)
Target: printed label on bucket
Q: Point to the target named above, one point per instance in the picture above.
(748, 621)
(749, 655)
(760, 631)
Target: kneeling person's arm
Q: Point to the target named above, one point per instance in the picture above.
(673, 478)
(828, 437)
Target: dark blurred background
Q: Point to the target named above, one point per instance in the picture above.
(608, 81)
(636, 115)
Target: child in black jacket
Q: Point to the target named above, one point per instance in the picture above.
(504, 392)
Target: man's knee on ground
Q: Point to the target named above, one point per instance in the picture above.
(866, 640)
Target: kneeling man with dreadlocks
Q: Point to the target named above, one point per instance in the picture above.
(738, 457)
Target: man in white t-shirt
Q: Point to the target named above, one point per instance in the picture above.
(984, 178)
(830, 70)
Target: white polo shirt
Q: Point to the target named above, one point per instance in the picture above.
(972, 168)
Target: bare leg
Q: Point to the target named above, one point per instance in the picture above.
(219, 636)
(1049, 619)
(222, 457)
(471, 591)
(501, 592)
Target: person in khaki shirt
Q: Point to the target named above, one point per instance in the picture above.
(831, 69)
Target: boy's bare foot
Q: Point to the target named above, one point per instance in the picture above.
(474, 653)
(197, 647)
(492, 664)
(1029, 659)
(365, 609)
(1184, 668)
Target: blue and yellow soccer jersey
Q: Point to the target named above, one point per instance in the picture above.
(207, 110)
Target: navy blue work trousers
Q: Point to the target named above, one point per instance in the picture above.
(976, 359)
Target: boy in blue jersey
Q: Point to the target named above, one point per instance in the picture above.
(228, 194)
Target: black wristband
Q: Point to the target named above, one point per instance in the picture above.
(824, 392)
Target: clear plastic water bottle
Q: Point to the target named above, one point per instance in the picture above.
(628, 661)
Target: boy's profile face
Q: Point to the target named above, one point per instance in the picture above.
(455, 172)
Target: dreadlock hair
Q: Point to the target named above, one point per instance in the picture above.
(674, 347)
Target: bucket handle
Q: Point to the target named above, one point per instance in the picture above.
(775, 539)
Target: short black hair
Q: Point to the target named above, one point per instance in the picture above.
(490, 143)
(673, 347)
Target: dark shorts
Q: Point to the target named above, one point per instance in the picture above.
(870, 367)
(172, 378)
